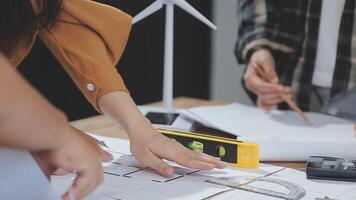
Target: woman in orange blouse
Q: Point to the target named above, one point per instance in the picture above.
(88, 39)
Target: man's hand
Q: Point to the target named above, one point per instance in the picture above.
(268, 92)
(151, 147)
(48, 169)
(79, 154)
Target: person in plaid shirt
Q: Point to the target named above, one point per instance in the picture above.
(307, 49)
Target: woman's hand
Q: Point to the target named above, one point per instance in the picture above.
(150, 147)
(80, 154)
(268, 92)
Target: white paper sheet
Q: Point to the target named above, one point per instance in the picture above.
(314, 189)
(21, 178)
(282, 135)
(126, 180)
(243, 120)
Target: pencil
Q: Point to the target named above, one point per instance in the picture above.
(289, 101)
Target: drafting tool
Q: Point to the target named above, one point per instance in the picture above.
(291, 103)
(239, 153)
(325, 198)
(328, 168)
(295, 192)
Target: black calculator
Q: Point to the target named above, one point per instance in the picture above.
(329, 168)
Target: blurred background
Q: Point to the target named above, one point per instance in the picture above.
(204, 63)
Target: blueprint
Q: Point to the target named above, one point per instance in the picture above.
(125, 179)
(243, 120)
(279, 130)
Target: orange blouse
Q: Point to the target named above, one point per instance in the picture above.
(88, 40)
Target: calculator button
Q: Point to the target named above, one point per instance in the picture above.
(348, 164)
(327, 167)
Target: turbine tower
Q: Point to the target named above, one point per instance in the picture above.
(169, 37)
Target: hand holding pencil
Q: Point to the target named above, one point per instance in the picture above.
(261, 78)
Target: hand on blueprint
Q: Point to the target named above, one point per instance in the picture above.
(78, 154)
(151, 147)
(267, 92)
(105, 157)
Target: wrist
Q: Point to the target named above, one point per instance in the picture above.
(256, 50)
(120, 107)
(139, 126)
(63, 133)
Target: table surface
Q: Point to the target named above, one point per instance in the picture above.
(103, 126)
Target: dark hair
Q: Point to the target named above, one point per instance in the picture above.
(18, 16)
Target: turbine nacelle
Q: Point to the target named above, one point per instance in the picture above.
(158, 4)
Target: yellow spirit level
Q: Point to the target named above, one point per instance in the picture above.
(239, 153)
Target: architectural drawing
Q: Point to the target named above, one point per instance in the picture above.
(125, 179)
(295, 192)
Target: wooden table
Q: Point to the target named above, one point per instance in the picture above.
(101, 125)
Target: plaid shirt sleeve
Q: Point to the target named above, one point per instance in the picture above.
(272, 24)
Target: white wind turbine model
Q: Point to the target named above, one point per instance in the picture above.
(168, 49)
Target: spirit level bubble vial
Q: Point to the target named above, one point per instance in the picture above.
(239, 153)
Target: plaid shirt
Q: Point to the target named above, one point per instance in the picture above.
(290, 29)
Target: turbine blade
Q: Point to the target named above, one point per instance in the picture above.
(191, 10)
(154, 7)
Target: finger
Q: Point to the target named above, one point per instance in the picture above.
(185, 157)
(271, 98)
(266, 107)
(83, 184)
(271, 73)
(289, 95)
(205, 158)
(195, 164)
(61, 172)
(152, 161)
(287, 90)
(258, 85)
(106, 156)
(269, 108)
(69, 196)
(266, 61)
(195, 160)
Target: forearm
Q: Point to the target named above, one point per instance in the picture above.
(260, 25)
(120, 107)
(27, 120)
